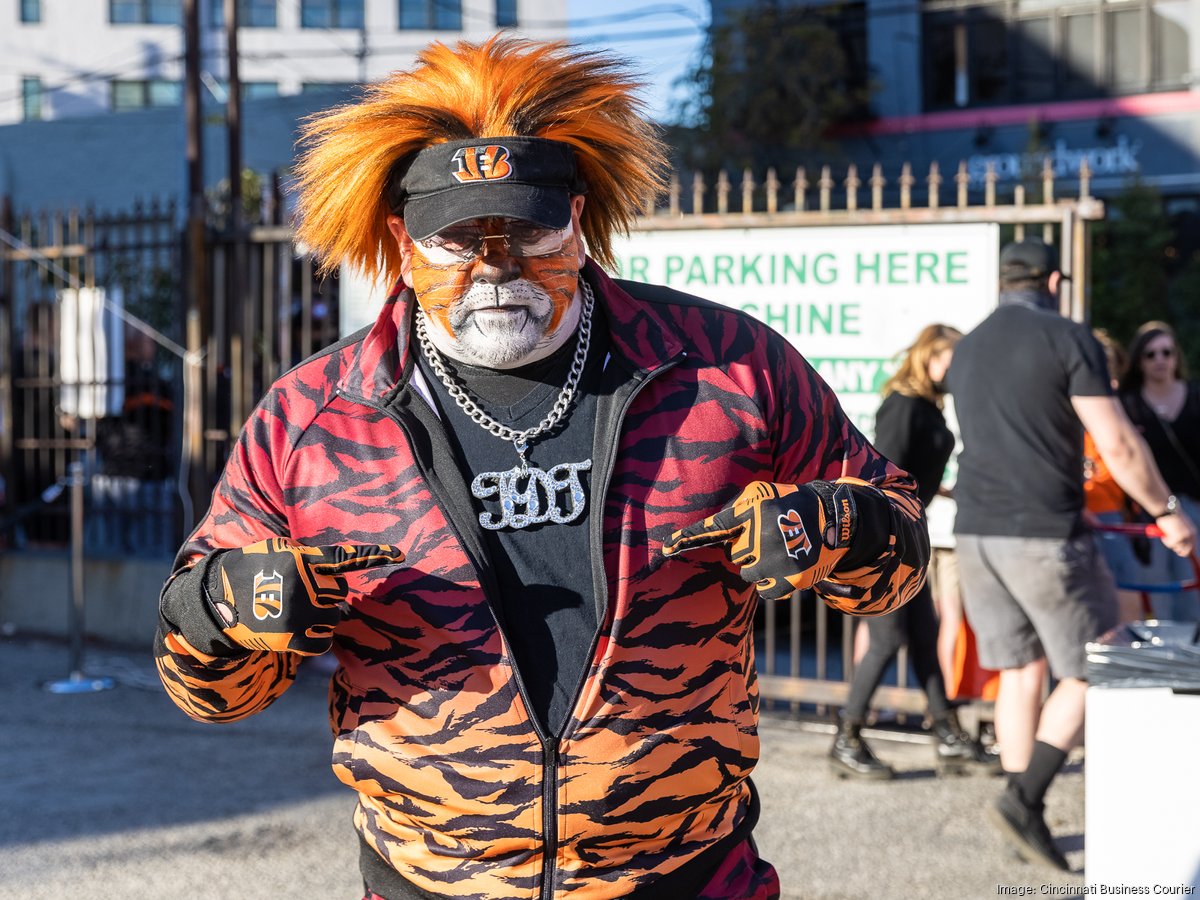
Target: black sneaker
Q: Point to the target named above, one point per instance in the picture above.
(1025, 827)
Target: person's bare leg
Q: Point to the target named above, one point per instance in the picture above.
(950, 616)
(1018, 711)
(1061, 723)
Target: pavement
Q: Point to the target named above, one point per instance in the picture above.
(117, 794)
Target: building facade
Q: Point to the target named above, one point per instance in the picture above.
(69, 58)
(1008, 84)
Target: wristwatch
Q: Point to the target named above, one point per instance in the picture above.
(1172, 507)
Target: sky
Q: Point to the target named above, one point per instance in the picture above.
(661, 39)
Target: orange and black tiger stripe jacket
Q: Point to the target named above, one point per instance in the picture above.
(459, 793)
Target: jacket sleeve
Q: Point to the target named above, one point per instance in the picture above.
(815, 440)
(205, 676)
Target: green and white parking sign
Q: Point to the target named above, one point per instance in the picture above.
(849, 298)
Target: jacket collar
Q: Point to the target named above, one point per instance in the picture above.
(382, 363)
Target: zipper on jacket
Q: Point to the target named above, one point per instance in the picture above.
(600, 584)
(490, 590)
(550, 743)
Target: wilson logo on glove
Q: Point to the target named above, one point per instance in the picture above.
(268, 595)
(795, 538)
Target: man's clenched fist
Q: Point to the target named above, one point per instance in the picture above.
(284, 596)
(783, 537)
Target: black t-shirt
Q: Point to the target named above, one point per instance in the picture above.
(912, 433)
(1178, 460)
(547, 602)
(1021, 469)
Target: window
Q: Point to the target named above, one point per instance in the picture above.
(257, 90)
(31, 11)
(143, 94)
(331, 14)
(506, 13)
(1027, 51)
(317, 87)
(251, 13)
(145, 12)
(251, 90)
(434, 15)
(31, 99)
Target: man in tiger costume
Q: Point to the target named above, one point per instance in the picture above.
(531, 509)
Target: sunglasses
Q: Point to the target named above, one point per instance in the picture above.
(1164, 352)
(462, 244)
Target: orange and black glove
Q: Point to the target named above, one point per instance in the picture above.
(284, 596)
(783, 537)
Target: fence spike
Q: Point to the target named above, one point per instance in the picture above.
(1085, 179)
(935, 181)
(963, 181)
(747, 190)
(801, 189)
(877, 184)
(772, 191)
(989, 185)
(825, 187)
(675, 190)
(698, 189)
(852, 184)
(1047, 181)
(906, 184)
(723, 189)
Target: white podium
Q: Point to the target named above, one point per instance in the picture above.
(1142, 783)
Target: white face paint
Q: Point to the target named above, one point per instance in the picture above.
(501, 326)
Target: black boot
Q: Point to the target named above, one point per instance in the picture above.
(958, 752)
(850, 754)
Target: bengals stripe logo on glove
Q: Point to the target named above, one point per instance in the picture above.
(293, 592)
(795, 538)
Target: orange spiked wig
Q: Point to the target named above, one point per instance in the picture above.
(503, 87)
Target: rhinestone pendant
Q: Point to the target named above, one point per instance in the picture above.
(530, 496)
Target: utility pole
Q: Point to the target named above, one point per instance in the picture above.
(240, 360)
(198, 315)
(233, 117)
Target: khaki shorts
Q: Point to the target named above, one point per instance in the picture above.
(943, 571)
(1032, 597)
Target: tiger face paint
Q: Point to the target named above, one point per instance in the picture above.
(497, 310)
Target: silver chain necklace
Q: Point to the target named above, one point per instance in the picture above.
(528, 495)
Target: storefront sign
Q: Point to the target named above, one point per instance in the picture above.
(1119, 159)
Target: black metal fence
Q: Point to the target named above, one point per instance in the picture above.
(93, 366)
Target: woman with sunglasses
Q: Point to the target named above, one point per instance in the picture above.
(1165, 407)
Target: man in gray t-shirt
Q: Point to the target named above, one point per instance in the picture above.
(1026, 383)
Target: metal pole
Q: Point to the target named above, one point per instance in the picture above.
(197, 317)
(233, 119)
(76, 617)
(76, 681)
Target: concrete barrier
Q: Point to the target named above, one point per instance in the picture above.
(121, 595)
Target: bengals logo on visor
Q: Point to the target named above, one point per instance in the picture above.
(488, 163)
(795, 538)
(268, 595)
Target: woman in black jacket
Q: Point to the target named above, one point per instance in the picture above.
(1165, 407)
(911, 431)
